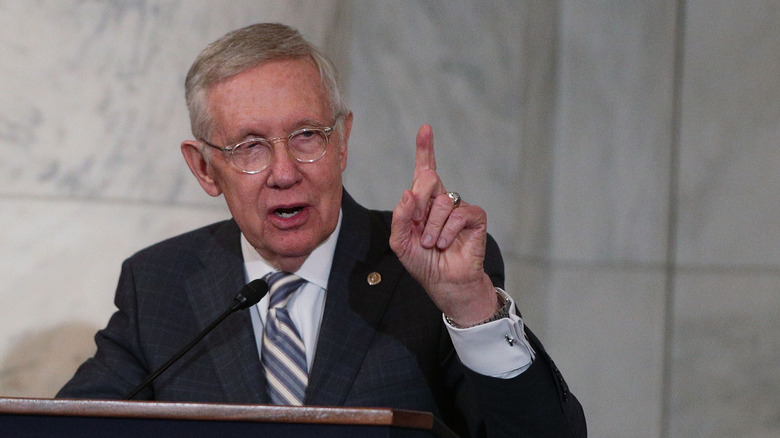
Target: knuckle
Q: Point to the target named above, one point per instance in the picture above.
(443, 201)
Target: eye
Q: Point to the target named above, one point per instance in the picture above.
(252, 150)
(306, 134)
(308, 144)
(251, 145)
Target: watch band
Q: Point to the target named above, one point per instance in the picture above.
(504, 305)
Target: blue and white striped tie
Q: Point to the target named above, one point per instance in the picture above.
(284, 356)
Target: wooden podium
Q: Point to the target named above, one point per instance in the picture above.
(29, 417)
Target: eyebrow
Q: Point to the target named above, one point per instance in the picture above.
(302, 123)
(307, 123)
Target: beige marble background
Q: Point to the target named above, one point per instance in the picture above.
(626, 153)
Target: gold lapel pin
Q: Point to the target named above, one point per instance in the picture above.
(374, 278)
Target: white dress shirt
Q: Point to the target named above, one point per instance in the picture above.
(497, 349)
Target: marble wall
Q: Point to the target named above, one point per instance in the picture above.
(625, 152)
(91, 116)
(724, 372)
(663, 283)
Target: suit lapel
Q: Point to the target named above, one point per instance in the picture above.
(353, 307)
(231, 346)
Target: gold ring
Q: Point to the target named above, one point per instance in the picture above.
(455, 198)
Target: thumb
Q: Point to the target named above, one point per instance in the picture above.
(401, 227)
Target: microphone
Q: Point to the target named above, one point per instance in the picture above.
(249, 295)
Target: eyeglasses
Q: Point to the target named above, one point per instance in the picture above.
(305, 145)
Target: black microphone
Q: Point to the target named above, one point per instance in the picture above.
(249, 295)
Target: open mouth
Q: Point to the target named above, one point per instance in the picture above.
(287, 212)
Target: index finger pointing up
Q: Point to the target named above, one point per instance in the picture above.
(424, 157)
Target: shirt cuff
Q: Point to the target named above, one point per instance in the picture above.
(496, 349)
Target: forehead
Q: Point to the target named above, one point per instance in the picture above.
(274, 95)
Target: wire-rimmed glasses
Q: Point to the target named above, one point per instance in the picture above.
(305, 145)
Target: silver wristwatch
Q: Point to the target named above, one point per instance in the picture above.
(503, 311)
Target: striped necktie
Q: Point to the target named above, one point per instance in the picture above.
(284, 356)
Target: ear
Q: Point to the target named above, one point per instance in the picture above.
(200, 167)
(345, 139)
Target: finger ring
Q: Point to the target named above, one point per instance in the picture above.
(455, 198)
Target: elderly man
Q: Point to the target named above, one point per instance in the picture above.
(364, 309)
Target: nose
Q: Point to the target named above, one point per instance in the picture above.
(284, 171)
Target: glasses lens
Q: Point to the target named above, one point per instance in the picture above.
(252, 156)
(308, 144)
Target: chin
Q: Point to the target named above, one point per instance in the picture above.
(297, 246)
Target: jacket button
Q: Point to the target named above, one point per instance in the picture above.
(374, 278)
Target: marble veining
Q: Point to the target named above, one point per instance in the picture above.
(92, 114)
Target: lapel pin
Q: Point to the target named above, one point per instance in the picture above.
(374, 278)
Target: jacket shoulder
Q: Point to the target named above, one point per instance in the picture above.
(192, 241)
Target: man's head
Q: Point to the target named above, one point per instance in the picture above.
(243, 49)
(266, 82)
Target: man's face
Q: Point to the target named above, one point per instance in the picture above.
(289, 208)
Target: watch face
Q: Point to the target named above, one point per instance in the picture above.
(506, 304)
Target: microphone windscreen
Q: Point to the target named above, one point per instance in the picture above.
(253, 292)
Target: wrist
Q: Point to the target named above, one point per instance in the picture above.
(503, 305)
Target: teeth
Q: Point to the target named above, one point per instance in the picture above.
(287, 212)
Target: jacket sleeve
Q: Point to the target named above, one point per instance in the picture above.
(118, 365)
(536, 403)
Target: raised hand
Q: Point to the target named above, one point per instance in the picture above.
(441, 244)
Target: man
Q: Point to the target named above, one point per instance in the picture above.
(382, 300)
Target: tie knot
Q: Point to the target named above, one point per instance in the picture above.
(281, 286)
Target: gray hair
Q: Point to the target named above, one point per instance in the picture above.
(244, 49)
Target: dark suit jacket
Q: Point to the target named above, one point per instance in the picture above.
(380, 345)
